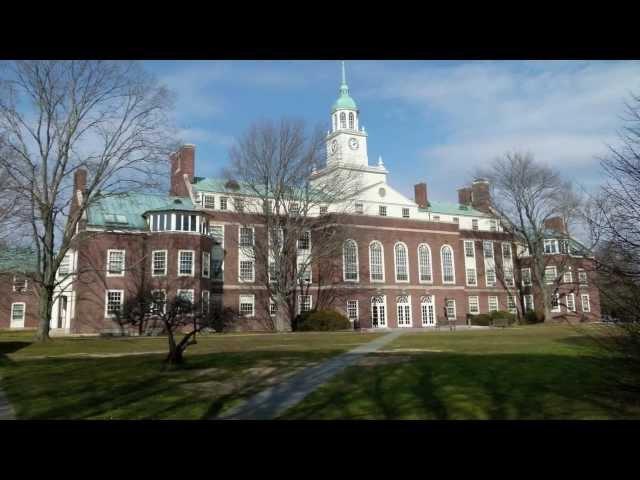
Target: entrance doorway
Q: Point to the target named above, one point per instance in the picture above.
(379, 311)
(62, 312)
(427, 305)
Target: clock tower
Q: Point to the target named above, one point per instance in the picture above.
(346, 141)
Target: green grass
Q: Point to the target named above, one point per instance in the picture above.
(533, 372)
(220, 371)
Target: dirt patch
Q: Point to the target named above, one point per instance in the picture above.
(415, 350)
(375, 360)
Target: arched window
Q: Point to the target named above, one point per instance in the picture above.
(351, 120)
(343, 120)
(403, 305)
(378, 311)
(448, 272)
(350, 261)
(424, 263)
(402, 264)
(335, 122)
(376, 262)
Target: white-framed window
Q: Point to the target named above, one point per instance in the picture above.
(550, 274)
(273, 308)
(405, 213)
(571, 302)
(206, 264)
(217, 232)
(246, 236)
(469, 250)
(403, 310)
(506, 251)
(567, 277)
(474, 224)
(376, 262)
(352, 310)
(294, 209)
(474, 305)
(511, 304)
(550, 246)
(456, 220)
(159, 263)
(555, 302)
(343, 120)
(428, 311)
(18, 313)
(159, 304)
(586, 306)
(425, 272)
(528, 303)
(187, 294)
(526, 277)
(448, 268)
(223, 203)
(247, 305)
(491, 277)
(508, 276)
(493, 225)
(324, 210)
(304, 242)
(359, 207)
(351, 120)
(186, 263)
(401, 262)
(205, 301)
(304, 272)
(19, 284)
(65, 266)
(472, 279)
(273, 272)
(350, 261)
(451, 308)
(582, 277)
(238, 204)
(209, 201)
(487, 249)
(247, 270)
(379, 311)
(304, 303)
(382, 211)
(563, 246)
(493, 304)
(115, 263)
(114, 299)
(436, 218)
(186, 222)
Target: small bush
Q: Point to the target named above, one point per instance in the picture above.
(482, 319)
(503, 315)
(533, 316)
(321, 321)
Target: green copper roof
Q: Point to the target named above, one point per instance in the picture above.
(18, 260)
(344, 100)
(453, 209)
(127, 211)
(218, 185)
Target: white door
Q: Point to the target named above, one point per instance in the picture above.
(403, 303)
(18, 312)
(378, 312)
(428, 311)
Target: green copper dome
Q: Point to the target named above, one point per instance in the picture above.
(344, 100)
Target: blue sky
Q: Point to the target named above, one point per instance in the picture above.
(431, 121)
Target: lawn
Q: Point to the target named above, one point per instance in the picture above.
(532, 372)
(58, 380)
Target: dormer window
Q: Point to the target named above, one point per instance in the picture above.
(382, 211)
(405, 213)
(209, 201)
(19, 284)
(550, 246)
(359, 207)
(474, 224)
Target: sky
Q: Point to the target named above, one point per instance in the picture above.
(431, 121)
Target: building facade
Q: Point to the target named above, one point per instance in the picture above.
(408, 262)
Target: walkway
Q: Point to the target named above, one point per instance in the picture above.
(6, 411)
(274, 401)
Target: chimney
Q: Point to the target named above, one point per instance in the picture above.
(182, 164)
(480, 196)
(556, 224)
(420, 195)
(464, 196)
(79, 191)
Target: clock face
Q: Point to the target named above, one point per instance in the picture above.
(334, 146)
(353, 143)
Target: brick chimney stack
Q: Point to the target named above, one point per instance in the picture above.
(182, 163)
(464, 196)
(480, 196)
(556, 224)
(79, 190)
(420, 195)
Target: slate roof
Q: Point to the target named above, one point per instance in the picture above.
(453, 209)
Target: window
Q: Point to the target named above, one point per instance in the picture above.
(206, 264)
(493, 225)
(571, 302)
(335, 123)
(246, 236)
(382, 211)
(555, 302)
(491, 277)
(506, 251)
(526, 277)
(528, 303)
(18, 311)
(351, 120)
(474, 305)
(159, 222)
(352, 310)
(205, 301)
(158, 263)
(582, 277)
(304, 303)
(378, 311)
(567, 277)
(323, 210)
(376, 262)
(564, 246)
(343, 120)
(511, 304)
(350, 261)
(223, 203)
(456, 220)
(304, 241)
(550, 274)
(359, 207)
(185, 294)
(159, 303)
(402, 267)
(586, 307)
(267, 207)
(424, 263)
(273, 307)
(428, 311)
(115, 263)
(186, 223)
(113, 304)
(446, 255)
(403, 310)
(451, 309)
(246, 271)
(65, 266)
(550, 246)
(238, 204)
(493, 304)
(508, 276)
(209, 201)
(487, 248)
(217, 232)
(19, 284)
(474, 224)
(304, 272)
(468, 249)
(294, 209)
(273, 272)
(405, 213)
(185, 263)
(472, 280)
(436, 218)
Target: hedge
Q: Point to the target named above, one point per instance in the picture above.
(321, 321)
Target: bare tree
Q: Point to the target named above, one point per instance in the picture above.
(293, 210)
(526, 194)
(57, 117)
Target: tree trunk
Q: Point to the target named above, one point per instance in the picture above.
(46, 306)
(175, 353)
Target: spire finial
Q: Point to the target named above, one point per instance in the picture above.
(344, 76)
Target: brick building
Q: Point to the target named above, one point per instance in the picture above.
(408, 262)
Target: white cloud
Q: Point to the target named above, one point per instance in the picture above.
(204, 136)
